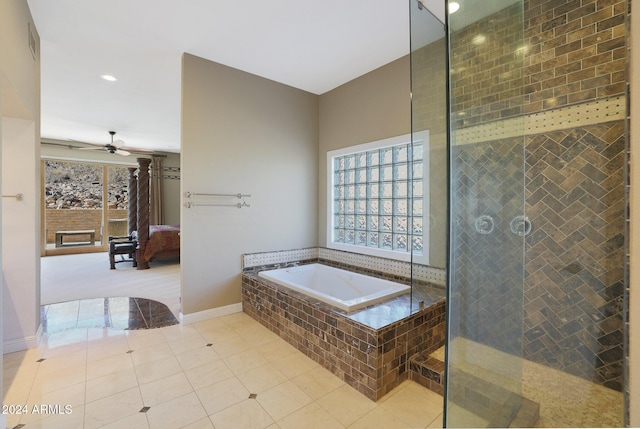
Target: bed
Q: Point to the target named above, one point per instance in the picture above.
(154, 241)
(164, 242)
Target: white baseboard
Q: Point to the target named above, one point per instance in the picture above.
(187, 319)
(19, 344)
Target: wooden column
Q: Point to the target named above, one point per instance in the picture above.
(143, 210)
(133, 200)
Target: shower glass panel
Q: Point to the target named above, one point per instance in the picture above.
(429, 133)
(485, 297)
(428, 188)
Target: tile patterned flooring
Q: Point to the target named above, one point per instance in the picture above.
(565, 400)
(228, 372)
(118, 312)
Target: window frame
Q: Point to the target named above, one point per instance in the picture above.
(105, 165)
(423, 257)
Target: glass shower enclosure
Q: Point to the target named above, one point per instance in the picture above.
(527, 206)
(487, 213)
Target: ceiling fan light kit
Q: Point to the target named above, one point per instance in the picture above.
(113, 147)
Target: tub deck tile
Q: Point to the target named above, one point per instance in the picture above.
(368, 349)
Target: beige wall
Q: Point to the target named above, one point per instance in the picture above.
(20, 226)
(372, 107)
(20, 89)
(19, 72)
(3, 419)
(242, 133)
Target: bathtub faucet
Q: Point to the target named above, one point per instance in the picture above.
(288, 264)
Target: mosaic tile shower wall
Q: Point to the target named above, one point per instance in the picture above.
(575, 191)
(574, 55)
(486, 76)
(574, 284)
(487, 265)
(576, 51)
(575, 256)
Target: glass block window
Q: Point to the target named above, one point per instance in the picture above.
(377, 196)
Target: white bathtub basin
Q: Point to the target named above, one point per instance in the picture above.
(343, 289)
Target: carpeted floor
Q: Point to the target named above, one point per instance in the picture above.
(77, 277)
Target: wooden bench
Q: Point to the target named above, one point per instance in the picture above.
(61, 234)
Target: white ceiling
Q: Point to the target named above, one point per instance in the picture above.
(312, 45)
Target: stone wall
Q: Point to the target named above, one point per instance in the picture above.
(72, 220)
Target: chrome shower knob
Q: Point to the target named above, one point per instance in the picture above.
(484, 224)
(520, 225)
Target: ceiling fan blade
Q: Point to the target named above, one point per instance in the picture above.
(117, 144)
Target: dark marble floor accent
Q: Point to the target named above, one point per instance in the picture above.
(118, 313)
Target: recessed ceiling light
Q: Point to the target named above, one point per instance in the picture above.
(109, 78)
(478, 40)
(453, 7)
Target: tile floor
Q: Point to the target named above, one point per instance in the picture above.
(228, 372)
(565, 400)
(113, 312)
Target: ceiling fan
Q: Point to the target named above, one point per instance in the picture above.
(113, 147)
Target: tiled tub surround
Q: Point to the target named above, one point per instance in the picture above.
(374, 265)
(370, 348)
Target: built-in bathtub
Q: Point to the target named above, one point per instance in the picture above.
(368, 348)
(339, 288)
